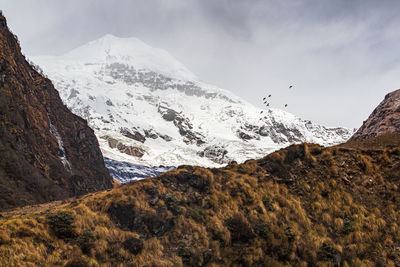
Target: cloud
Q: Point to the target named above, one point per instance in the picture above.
(341, 55)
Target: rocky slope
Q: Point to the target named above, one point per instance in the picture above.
(304, 205)
(146, 108)
(384, 119)
(46, 152)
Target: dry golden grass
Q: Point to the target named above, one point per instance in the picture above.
(290, 208)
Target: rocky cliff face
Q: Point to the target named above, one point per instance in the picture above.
(46, 152)
(383, 120)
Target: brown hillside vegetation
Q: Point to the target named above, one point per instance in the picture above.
(301, 206)
(380, 142)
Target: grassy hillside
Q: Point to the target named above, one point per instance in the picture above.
(301, 206)
(380, 142)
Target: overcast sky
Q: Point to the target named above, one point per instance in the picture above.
(343, 56)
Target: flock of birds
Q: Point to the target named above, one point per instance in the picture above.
(267, 103)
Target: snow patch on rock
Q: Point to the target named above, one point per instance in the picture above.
(62, 154)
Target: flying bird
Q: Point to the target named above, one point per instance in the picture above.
(290, 87)
(286, 105)
(264, 98)
(261, 112)
(269, 95)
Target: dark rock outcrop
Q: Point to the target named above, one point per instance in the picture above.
(135, 135)
(46, 152)
(157, 81)
(183, 124)
(217, 154)
(384, 119)
(126, 149)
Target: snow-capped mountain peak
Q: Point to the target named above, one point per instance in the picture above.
(147, 108)
(110, 49)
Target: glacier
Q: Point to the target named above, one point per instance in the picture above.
(148, 109)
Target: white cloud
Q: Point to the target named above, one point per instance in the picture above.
(341, 55)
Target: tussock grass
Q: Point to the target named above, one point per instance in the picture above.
(303, 206)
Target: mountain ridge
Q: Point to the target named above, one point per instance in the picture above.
(384, 119)
(147, 117)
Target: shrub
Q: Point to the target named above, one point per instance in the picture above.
(327, 158)
(171, 200)
(61, 223)
(86, 241)
(326, 219)
(264, 231)
(334, 171)
(4, 237)
(197, 215)
(290, 234)
(268, 201)
(24, 232)
(133, 245)
(366, 164)
(328, 253)
(308, 157)
(384, 158)
(277, 157)
(173, 203)
(184, 253)
(396, 151)
(338, 224)
(79, 262)
(240, 228)
(347, 226)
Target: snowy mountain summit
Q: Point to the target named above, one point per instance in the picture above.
(147, 108)
(129, 51)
